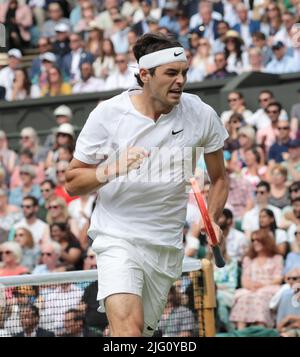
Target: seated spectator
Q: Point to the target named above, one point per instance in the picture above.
(250, 221)
(221, 68)
(295, 119)
(245, 26)
(226, 280)
(237, 104)
(55, 85)
(72, 61)
(73, 324)
(259, 40)
(29, 316)
(255, 60)
(9, 215)
(94, 39)
(235, 241)
(38, 228)
(120, 36)
(292, 162)
(17, 18)
(61, 45)
(88, 82)
(203, 59)
(71, 253)
(233, 125)
(27, 188)
(281, 62)
(254, 172)
(260, 118)
(11, 254)
(7, 157)
(26, 158)
(122, 77)
(44, 46)
(29, 140)
(267, 222)
(169, 18)
(50, 255)
(279, 190)
(7, 74)
(279, 150)
(30, 252)
(235, 56)
(47, 191)
(60, 190)
(21, 86)
(261, 275)
(293, 257)
(193, 74)
(288, 312)
(56, 16)
(105, 64)
(88, 14)
(94, 322)
(64, 136)
(288, 214)
(63, 114)
(266, 137)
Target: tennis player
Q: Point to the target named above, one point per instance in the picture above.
(137, 223)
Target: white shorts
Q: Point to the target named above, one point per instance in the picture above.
(145, 270)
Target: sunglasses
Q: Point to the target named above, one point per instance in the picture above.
(255, 240)
(19, 235)
(7, 252)
(45, 190)
(26, 206)
(283, 127)
(60, 171)
(272, 111)
(47, 254)
(297, 233)
(258, 192)
(233, 99)
(54, 207)
(263, 99)
(91, 256)
(294, 190)
(293, 278)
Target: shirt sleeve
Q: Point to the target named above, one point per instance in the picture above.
(93, 138)
(216, 135)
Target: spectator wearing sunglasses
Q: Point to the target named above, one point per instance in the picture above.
(50, 255)
(11, 256)
(288, 312)
(279, 150)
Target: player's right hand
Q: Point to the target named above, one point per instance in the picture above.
(130, 159)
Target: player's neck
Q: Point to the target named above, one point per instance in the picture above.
(149, 106)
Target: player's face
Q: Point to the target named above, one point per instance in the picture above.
(166, 85)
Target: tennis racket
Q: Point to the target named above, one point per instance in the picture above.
(219, 260)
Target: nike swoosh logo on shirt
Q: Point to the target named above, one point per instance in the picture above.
(177, 54)
(176, 132)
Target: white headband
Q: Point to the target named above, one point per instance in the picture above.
(165, 56)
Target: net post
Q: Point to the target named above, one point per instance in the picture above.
(205, 298)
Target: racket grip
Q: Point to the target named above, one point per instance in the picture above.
(219, 260)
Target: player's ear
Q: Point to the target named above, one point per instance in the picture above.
(144, 75)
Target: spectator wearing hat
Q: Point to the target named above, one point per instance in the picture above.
(221, 68)
(88, 82)
(169, 18)
(245, 26)
(27, 188)
(11, 254)
(281, 62)
(237, 59)
(17, 19)
(55, 14)
(122, 77)
(63, 114)
(7, 74)
(71, 62)
(9, 215)
(64, 136)
(38, 228)
(61, 45)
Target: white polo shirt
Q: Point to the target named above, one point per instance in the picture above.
(149, 212)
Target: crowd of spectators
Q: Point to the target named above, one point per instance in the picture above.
(86, 46)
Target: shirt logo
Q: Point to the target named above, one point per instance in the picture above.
(176, 132)
(177, 54)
